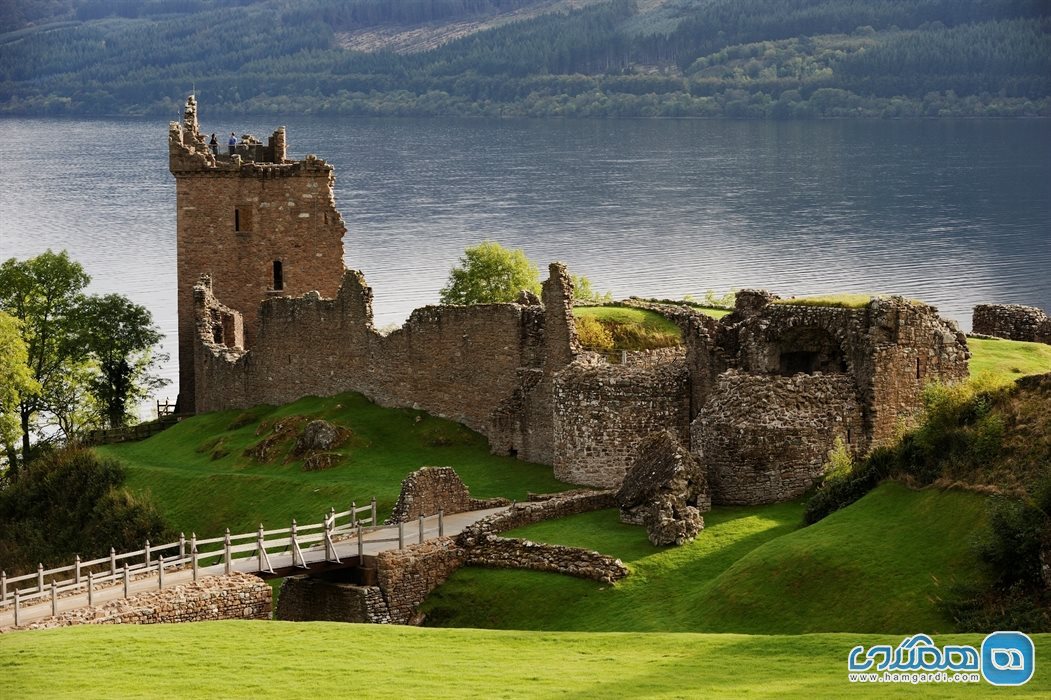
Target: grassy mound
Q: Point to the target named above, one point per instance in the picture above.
(614, 328)
(1006, 360)
(239, 468)
(877, 566)
(323, 659)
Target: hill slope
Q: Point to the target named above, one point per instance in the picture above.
(879, 565)
(738, 58)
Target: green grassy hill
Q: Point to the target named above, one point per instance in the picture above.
(879, 565)
(203, 482)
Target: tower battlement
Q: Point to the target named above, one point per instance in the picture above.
(258, 223)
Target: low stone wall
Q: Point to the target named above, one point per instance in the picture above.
(1012, 321)
(484, 547)
(313, 599)
(522, 514)
(431, 489)
(515, 553)
(232, 597)
(407, 576)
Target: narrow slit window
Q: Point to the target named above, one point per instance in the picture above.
(919, 369)
(237, 219)
(279, 275)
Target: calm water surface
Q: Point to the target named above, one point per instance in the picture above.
(954, 213)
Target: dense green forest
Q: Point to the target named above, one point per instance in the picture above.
(775, 59)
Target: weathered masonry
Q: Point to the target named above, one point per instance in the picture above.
(1012, 321)
(261, 225)
(758, 397)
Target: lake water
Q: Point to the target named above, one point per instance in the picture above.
(954, 213)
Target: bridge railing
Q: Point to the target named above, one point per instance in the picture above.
(150, 561)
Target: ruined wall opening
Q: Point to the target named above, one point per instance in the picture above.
(810, 350)
(279, 276)
(242, 219)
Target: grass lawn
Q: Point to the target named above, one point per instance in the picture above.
(1006, 360)
(876, 566)
(842, 301)
(202, 481)
(282, 660)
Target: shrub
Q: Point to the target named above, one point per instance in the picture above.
(72, 502)
(593, 334)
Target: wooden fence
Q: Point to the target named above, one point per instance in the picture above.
(262, 552)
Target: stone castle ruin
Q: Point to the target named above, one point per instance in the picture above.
(267, 314)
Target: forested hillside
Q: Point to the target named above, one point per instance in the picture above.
(707, 58)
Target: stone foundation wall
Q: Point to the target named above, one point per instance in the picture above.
(1012, 321)
(407, 576)
(558, 506)
(232, 597)
(603, 411)
(310, 599)
(764, 439)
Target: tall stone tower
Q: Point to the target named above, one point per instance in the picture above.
(259, 224)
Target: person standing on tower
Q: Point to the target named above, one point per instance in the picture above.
(214, 145)
(232, 142)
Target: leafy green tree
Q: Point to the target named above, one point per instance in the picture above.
(45, 294)
(583, 292)
(16, 380)
(489, 273)
(120, 336)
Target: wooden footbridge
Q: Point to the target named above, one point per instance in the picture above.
(340, 540)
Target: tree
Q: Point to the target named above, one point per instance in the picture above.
(120, 336)
(16, 380)
(45, 294)
(489, 273)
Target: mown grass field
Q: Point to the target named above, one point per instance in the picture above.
(202, 481)
(293, 660)
(879, 565)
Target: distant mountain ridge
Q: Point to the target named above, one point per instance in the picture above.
(774, 59)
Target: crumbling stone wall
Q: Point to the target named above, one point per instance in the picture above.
(764, 439)
(459, 362)
(605, 410)
(431, 489)
(232, 597)
(516, 553)
(1012, 321)
(236, 219)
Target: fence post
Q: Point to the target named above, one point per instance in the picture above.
(76, 570)
(193, 554)
(160, 573)
(259, 545)
(361, 545)
(126, 581)
(91, 589)
(292, 544)
(401, 535)
(147, 551)
(182, 546)
(441, 522)
(3, 586)
(226, 550)
(112, 562)
(353, 513)
(18, 595)
(374, 522)
(40, 578)
(421, 529)
(54, 598)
